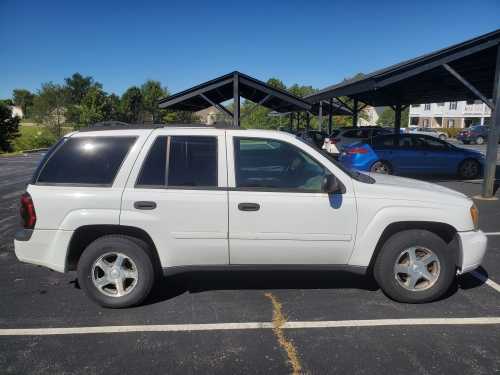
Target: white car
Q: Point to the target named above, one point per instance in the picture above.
(122, 207)
(345, 136)
(429, 131)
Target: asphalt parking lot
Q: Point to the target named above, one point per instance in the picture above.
(245, 322)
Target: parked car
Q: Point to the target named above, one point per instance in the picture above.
(345, 136)
(122, 207)
(429, 131)
(476, 134)
(413, 154)
(315, 136)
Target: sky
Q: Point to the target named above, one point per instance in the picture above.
(183, 43)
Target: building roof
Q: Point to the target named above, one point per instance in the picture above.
(220, 89)
(424, 79)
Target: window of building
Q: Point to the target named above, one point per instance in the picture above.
(86, 160)
(451, 123)
(413, 120)
(440, 104)
(427, 107)
(275, 165)
(426, 122)
(453, 105)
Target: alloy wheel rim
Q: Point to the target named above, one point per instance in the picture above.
(469, 169)
(114, 274)
(381, 168)
(417, 269)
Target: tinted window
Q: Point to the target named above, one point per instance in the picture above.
(272, 164)
(153, 169)
(388, 141)
(429, 143)
(86, 160)
(192, 161)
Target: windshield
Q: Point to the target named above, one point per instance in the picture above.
(353, 173)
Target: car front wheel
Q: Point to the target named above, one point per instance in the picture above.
(116, 271)
(415, 266)
(381, 167)
(469, 169)
(479, 140)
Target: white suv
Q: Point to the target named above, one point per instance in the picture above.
(122, 207)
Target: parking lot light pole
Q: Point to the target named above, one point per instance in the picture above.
(492, 148)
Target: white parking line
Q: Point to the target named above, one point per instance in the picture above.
(478, 275)
(248, 326)
(492, 233)
(13, 194)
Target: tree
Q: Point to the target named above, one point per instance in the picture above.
(112, 108)
(48, 107)
(387, 117)
(77, 86)
(93, 106)
(132, 105)
(24, 99)
(152, 92)
(9, 127)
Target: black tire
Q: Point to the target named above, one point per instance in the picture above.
(135, 250)
(382, 167)
(465, 142)
(469, 169)
(479, 140)
(384, 268)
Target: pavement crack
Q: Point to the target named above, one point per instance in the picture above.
(279, 320)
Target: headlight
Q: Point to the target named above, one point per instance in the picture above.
(474, 213)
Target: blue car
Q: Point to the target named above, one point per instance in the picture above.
(412, 154)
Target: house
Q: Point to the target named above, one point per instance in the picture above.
(449, 114)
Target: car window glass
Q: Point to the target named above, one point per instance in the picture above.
(192, 161)
(153, 169)
(429, 143)
(86, 160)
(272, 164)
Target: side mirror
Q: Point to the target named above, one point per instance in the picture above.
(332, 185)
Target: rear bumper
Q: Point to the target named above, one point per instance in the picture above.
(46, 248)
(472, 247)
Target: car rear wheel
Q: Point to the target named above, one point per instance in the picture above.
(465, 142)
(116, 271)
(479, 140)
(469, 169)
(442, 137)
(415, 266)
(381, 167)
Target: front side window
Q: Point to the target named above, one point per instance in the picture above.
(430, 143)
(180, 161)
(86, 160)
(275, 165)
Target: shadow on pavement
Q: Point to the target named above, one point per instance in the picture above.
(201, 281)
(468, 281)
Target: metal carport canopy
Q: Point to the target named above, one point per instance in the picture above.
(221, 89)
(424, 79)
(465, 71)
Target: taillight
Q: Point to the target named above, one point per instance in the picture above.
(27, 211)
(357, 150)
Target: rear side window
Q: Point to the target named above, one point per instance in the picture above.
(180, 161)
(86, 160)
(192, 161)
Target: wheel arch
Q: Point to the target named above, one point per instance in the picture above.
(445, 231)
(86, 234)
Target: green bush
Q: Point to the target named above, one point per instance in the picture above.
(33, 137)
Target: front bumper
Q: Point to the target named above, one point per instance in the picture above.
(472, 249)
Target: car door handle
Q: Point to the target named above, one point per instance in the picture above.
(145, 205)
(248, 206)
